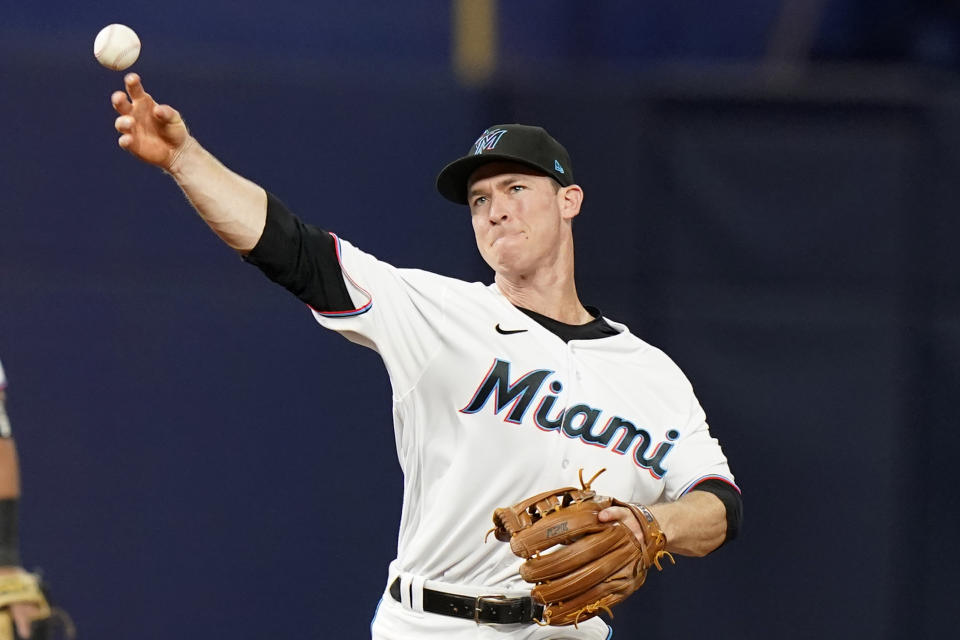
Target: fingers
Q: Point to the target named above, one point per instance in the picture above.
(166, 114)
(120, 103)
(610, 513)
(625, 516)
(152, 132)
(124, 124)
(134, 86)
(23, 628)
(23, 615)
(125, 121)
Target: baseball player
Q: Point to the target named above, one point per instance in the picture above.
(26, 610)
(500, 391)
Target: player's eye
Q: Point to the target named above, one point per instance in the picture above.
(517, 187)
(479, 200)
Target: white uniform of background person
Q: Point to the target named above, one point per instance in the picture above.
(4, 422)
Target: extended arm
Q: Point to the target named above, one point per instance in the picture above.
(298, 256)
(9, 491)
(23, 613)
(234, 207)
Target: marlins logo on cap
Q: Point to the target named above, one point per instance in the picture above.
(531, 146)
(488, 141)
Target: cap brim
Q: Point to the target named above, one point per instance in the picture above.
(452, 181)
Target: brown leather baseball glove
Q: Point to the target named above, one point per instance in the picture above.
(579, 565)
(49, 623)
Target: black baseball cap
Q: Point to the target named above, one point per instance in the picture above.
(521, 143)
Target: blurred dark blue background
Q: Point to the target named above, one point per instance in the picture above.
(771, 197)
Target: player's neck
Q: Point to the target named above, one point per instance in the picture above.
(551, 297)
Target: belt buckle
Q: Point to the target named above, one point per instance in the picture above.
(477, 603)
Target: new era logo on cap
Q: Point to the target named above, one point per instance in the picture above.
(519, 143)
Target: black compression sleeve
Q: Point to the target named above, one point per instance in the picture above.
(9, 539)
(731, 499)
(302, 258)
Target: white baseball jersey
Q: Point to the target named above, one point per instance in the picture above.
(4, 421)
(490, 407)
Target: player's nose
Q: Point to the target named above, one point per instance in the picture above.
(497, 210)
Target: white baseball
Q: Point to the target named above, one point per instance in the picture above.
(116, 47)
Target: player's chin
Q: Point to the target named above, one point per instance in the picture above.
(509, 266)
(509, 255)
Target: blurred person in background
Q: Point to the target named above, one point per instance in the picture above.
(24, 611)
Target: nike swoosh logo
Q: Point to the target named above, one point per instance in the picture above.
(507, 332)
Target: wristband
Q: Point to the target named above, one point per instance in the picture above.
(9, 538)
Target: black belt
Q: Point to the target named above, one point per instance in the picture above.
(497, 609)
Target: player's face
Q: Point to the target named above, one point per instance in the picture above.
(519, 218)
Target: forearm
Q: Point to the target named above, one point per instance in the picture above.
(694, 525)
(9, 493)
(234, 208)
(9, 470)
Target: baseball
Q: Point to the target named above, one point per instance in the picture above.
(116, 47)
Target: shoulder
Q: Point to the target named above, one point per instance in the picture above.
(420, 278)
(649, 356)
(350, 254)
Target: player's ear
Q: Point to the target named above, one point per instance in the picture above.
(570, 198)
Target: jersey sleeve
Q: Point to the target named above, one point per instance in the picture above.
(300, 257)
(4, 421)
(697, 456)
(396, 312)
(399, 313)
(732, 503)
